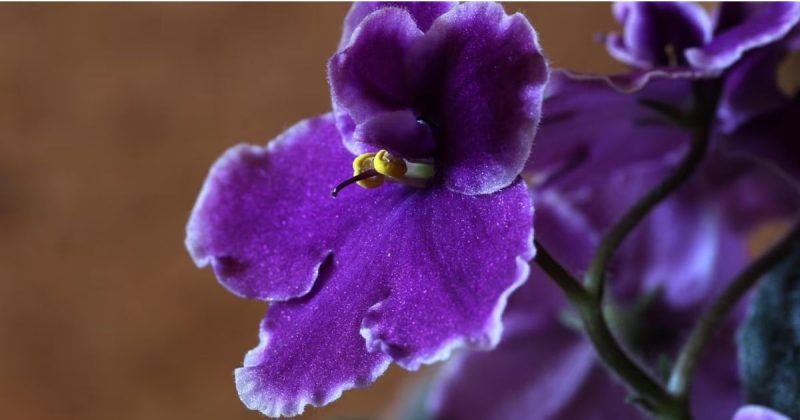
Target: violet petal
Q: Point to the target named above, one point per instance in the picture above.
(484, 86)
(751, 88)
(399, 132)
(256, 197)
(548, 374)
(370, 75)
(769, 23)
(423, 13)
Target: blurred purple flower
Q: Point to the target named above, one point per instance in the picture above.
(680, 40)
(421, 262)
(740, 48)
(757, 412)
(597, 152)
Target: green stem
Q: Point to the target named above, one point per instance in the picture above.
(647, 391)
(595, 275)
(680, 379)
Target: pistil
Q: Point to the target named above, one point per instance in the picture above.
(370, 170)
(350, 181)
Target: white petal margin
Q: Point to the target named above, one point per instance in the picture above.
(256, 395)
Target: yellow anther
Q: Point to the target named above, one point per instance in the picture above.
(388, 165)
(370, 170)
(362, 163)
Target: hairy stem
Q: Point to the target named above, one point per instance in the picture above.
(595, 275)
(681, 377)
(647, 391)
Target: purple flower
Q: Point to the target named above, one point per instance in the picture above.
(597, 152)
(757, 412)
(750, 87)
(446, 90)
(437, 106)
(679, 40)
(741, 49)
(675, 34)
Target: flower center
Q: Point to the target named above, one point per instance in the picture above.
(370, 170)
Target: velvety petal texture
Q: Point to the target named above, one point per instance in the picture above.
(423, 14)
(258, 197)
(370, 75)
(473, 80)
(391, 274)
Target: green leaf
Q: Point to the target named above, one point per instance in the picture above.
(769, 341)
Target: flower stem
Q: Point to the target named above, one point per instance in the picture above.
(680, 379)
(595, 275)
(647, 391)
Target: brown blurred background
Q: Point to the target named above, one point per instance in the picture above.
(110, 116)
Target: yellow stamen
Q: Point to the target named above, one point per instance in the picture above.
(362, 163)
(389, 165)
(370, 170)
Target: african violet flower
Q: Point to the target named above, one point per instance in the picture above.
(437, 106)
(597, 152)
(742, 47)
(735, 56)
(680, 40)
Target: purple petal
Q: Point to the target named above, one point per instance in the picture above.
(754, 191)
(416, 291)
(484, 88)
(769, 23)
(650, 27)
(423, 13)
(400, 132)
(591, 130)
(540, 370)
(404, 268)
(547, 374)
(310, 350)
(443, 289)
(751, 88)
(370, 75)
(257, 197)
(757, 412)
(683, 248)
